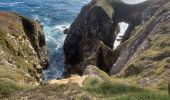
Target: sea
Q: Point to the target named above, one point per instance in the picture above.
(55, 16)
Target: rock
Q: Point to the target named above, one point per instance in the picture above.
(66, 31)
(132, 70)
(97, 23)
(23, 50)
(146, 52)
(96, 73)
(85, 35)
(139, 38)
(73, 79)
(35, 35)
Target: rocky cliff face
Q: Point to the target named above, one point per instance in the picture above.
(91, 37)
(145, 56)
(23, 50)
(144, 51)
(84, 36)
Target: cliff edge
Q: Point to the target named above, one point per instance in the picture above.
(23, 51)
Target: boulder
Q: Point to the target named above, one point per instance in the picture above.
(96, 73)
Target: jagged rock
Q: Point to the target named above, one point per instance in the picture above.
(23, 50)
(85, 35)
(146, 53)
(35, 35)
(96, 23)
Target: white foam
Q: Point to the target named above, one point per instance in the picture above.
(133, 1)
(61, 27)
(10, 4)
(123, 27)
(57, 30)
(36, 17)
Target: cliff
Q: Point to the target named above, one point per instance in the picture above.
(23, 52)
(91, 36)
(143, 55)
(136, 70)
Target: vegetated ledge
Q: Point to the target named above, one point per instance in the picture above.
(23, 52)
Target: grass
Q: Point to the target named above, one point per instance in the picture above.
(142, 96)
(8, 87)
(106, 6)
(120, 91)
(93, 89)
(7, 71)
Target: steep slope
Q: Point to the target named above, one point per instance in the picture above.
(145, 56)
(23, 52)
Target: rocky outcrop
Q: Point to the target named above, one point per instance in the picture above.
(144, 51)
(145, 56)
(83, 40)
(91, 37)
(23, 50)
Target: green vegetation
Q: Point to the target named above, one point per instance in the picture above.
(8, 87)
(120, 91)
(142, 96)
(97, 86)
(106, 6)
(9, 72)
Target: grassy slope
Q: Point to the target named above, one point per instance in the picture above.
(102, 87)
(16, 56)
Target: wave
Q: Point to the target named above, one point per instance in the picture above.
(10, 4)
(133, 1)
(55, 38)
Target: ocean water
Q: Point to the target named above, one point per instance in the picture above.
(55, 16)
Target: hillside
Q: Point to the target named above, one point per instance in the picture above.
(138, 69)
